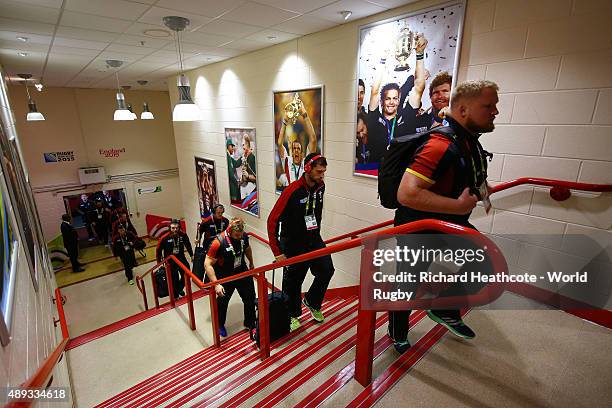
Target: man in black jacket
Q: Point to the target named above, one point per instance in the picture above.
(297, 214)
(71, 243)
(123, 247)
(174, 243)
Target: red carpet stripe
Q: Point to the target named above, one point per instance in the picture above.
(335, 382)
(193, 376)
(384, 382)
(282, 369)
(229, 346)
(213, 396)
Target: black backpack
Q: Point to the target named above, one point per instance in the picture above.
(398, 157)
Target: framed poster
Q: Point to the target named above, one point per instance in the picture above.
(241, 145)
(298, 131)
(398, 59)
(8, 263)
(206, 179)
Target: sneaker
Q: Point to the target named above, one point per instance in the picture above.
(455, 326)
(295, 324)
(131, 281)
(79, 270)
(316, 314)
(401, 346)
(182, 293)
(222, 331)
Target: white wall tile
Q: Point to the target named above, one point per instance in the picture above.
(592, 142)
(512, 13)
(514, 139)
(580, 208)
(542, 74)
(603, 108)
(496, 46)
(598, 172)
(555, 108)
(586, 70)
(544, 167)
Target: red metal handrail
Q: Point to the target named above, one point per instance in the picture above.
(560, 189)
(41, 377)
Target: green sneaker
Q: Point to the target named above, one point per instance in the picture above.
(295, 324)
(455, 326)
(316, 314)
(131, 282)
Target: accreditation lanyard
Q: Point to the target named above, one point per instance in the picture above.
(176, 245)
(390, 131)
(220, 230)
(237, 257)
(310, 219)
(126, 245)
(482, 164)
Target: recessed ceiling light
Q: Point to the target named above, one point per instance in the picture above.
(157, 33)
(22, 54)
(271, 37)
(346, 14)
(23, 39)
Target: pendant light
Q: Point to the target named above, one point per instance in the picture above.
(33, 114)
(185, 109)
(146, 113)
(122, 112)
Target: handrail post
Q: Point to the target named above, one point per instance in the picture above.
(214, 316)
(143, 289)
(264, 330)
(60, 312)
(366, 326)
(170, 283)
(155, 293)
(192, 321)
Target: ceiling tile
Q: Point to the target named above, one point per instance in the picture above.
(21, 26)
(89, 35)
(91, 22)
(272, 36)
(45, 3)
(28, 12)
(156, 14)
(205, 39)
(71, 42)
(247, 45)
(27, 47)
(265, 16)
(140, 28)
(116, 55)
(359, 8)
(32, 38)
(136, 40)
(108, 8)
(391, 3)
(130, 49)
(298, 6)
(305, 24)
(209, 8)
(74, 51)
(229, 28)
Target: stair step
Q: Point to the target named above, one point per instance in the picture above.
(214, 367)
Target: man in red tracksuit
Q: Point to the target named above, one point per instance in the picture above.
(294, 228)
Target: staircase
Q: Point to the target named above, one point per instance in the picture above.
(311, 366)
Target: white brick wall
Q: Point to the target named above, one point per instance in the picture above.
(551, 59)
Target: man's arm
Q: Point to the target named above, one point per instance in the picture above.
(209, 262)
(188, 245)
(249, 254)
(414, 192)
(158, 250)
(276, 216)
(310, 130)
(281, 140)
(419, 73)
